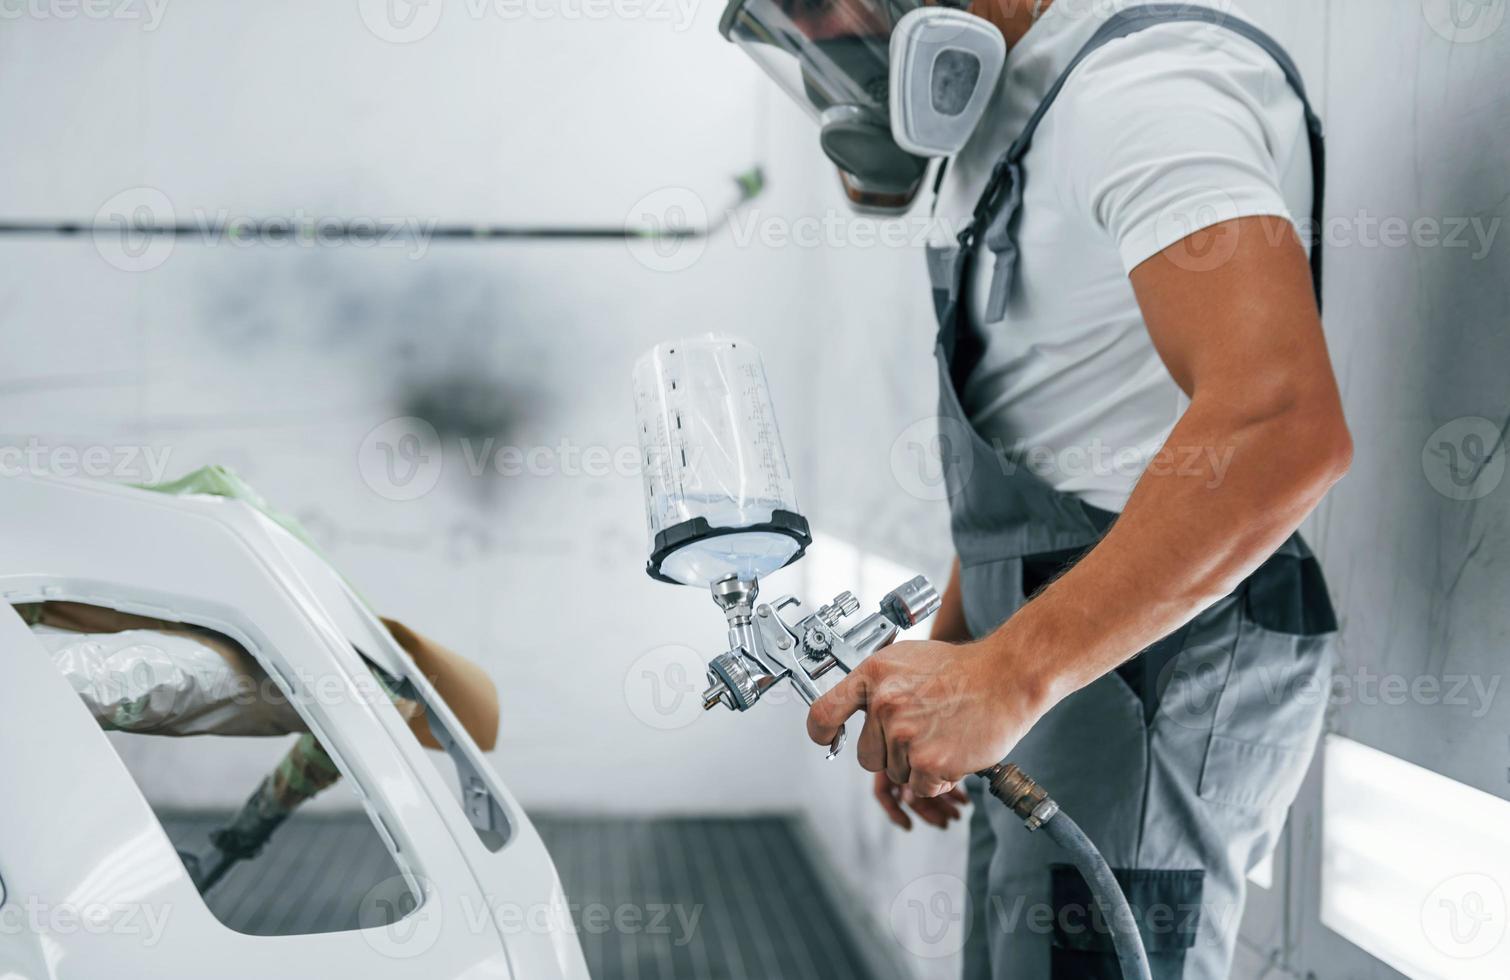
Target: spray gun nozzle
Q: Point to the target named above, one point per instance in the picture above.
(714, 695)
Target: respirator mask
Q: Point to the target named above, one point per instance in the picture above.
(891, 83)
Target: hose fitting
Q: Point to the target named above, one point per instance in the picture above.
(1020, 793)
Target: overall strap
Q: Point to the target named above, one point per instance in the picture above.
(999, 203)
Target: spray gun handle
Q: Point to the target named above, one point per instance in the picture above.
(765, 649)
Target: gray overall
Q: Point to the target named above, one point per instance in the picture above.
(1180, 765)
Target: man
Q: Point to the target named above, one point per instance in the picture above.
(1139, 411)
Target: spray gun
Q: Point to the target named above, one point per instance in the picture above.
(765, 649)
(722, 515)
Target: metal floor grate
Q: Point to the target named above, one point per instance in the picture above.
(310, 878)
(761, 912)
(654, 899)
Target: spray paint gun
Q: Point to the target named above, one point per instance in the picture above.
(765, 649)
(722, 515)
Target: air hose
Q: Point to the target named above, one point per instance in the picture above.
(1029, 801)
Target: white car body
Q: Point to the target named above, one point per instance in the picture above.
(92, 886)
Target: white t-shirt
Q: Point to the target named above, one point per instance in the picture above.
(1154, 137)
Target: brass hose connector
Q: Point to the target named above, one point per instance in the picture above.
(1018, 791)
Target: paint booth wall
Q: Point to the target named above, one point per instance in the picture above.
(288, 362)
(1416, 539)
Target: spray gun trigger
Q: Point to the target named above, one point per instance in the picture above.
(837, 745)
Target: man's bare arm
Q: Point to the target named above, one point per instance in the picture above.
(1262, 441)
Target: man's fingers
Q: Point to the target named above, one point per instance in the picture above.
(898, 769)
(936, 812)
(925, 784)
(870, 750)
(834, 708)
(958, 794)
(925, 781)
(940, 804)
(926, 810)
(886, 794)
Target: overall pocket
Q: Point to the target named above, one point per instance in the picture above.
(1273, 705)
(1167, 905)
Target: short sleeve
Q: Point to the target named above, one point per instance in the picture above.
(1172, 131)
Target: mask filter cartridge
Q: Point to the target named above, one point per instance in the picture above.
(944, 67)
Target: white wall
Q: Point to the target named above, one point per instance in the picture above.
(282, 363)
(1418, 130)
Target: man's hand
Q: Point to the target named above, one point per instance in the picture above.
(937, 811)
(934, 712)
